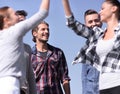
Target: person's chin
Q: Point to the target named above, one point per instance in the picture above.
(45, 41)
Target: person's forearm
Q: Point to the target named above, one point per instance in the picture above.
(25, 26)
(45, 5)
(66, 7)
(66, 87)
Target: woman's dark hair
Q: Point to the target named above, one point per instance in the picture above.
(3, 13)
(36, 29)
(117, 4)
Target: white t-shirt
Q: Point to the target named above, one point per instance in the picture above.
(106, 80)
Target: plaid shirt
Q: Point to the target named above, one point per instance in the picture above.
(50, 71)
(88, 54)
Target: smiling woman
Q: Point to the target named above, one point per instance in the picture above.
(102, 49)
(11, 36)
(9, 17)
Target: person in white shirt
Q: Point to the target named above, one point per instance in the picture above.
(11, 45)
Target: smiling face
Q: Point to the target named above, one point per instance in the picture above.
(8, 17)
(92, 20)
(109, 10)
(42, 33)
(12, 18)
(106, 12)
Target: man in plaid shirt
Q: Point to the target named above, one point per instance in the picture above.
(88, 54)
(49, 64)
(89, 74)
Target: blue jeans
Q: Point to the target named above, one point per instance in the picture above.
(90, 79)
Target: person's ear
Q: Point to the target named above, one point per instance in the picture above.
(34, 33)
(6, 22)
(114, 9)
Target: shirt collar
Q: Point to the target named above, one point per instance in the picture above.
(118, 27)
(50, 49)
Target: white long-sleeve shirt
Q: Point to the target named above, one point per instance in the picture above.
(11, 45)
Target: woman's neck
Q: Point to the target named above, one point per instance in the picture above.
(110, 29)
(112, 24)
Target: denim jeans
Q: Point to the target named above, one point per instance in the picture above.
(90, 80)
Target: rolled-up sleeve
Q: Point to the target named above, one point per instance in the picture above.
(79, 28)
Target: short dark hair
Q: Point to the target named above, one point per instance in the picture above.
(89, 12)
(21, 12)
